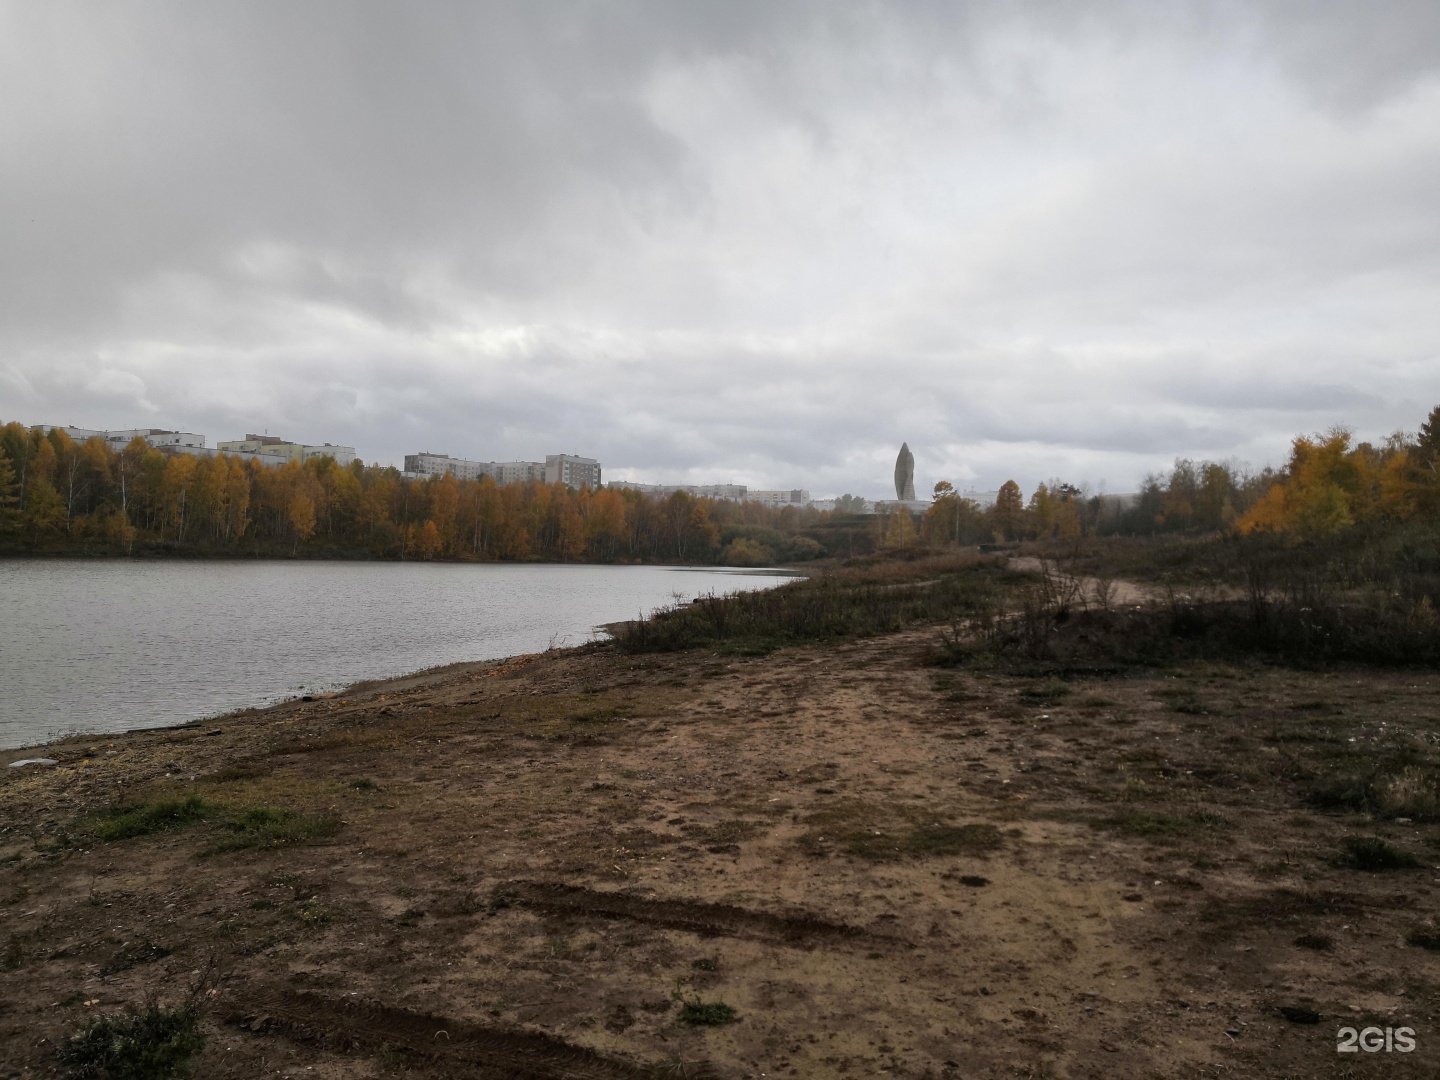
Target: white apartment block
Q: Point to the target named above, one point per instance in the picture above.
(119, 439)
(795, 497)
(517, 472)
(721, 492)
(271, 446)
(565, 469)
(419, 466)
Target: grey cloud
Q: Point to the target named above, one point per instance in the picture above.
(759, 241)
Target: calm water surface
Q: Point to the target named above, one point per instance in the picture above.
(108, 646)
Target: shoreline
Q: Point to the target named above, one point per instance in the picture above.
(353, 690)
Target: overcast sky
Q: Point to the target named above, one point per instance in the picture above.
(762, 242)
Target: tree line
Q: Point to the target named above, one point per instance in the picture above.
(59, 496)
(1329, 482)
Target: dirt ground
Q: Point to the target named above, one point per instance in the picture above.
(546, 867)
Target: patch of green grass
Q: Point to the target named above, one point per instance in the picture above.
(598, 716)
(314, 913)
(952, 840)
(699, 1013)
(730, 831)
(252, 827)
(1182, 699)
(706, 963)
(232, 773)
(922, 841)
(150, 1044)
(465, 903)
(1373, 855)
(1047, 692)
(265, 827)
(1149, 824)
(166, 815)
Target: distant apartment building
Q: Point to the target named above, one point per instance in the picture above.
(567, 469)
(795, 497)
(282, 450)
(119, 439)
(572, 471)
(722, 492)
(419, 466)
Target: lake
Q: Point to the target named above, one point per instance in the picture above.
(99, 647)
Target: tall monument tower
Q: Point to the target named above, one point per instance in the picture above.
(905, 474)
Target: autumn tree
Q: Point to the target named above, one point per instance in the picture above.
(69, 472)
(19, 445)
(1054, 512)
(1317, 492)
(1007, 516)
(301, 515)
(9, 495)
(425, 540)
(44, 508)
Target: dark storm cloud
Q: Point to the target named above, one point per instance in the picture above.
(755, 241)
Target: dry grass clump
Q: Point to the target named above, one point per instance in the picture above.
(1413, 793)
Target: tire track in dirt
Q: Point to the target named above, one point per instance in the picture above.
(462, 1050)
(708, 920)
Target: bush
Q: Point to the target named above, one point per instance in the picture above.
(745, 552)
(1373, 855)
(151, 1044)
(802, 548)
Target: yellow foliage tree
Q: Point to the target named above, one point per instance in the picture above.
(1323, 482)
(301, 515)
